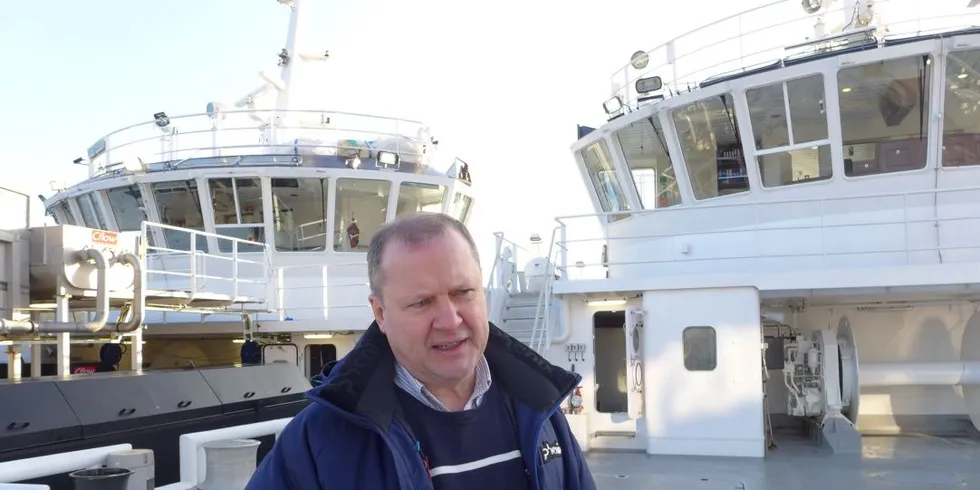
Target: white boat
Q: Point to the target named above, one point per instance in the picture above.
(198, 244)
(779, 287)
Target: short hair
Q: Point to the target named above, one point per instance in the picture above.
(413, 230)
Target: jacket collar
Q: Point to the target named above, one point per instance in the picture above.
(363, 382)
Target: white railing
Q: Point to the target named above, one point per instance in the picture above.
(244, 271)
(241, 133)
(192, 458)
(761, 35)
(505, 277)
(55, 464)
(305, 292)
(910, 228)
(542, 329)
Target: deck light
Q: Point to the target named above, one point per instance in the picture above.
(161, 120)
(613, 105)
(640, 60)
(649, 84)
(388, 160)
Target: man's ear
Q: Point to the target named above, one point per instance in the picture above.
(377, 307)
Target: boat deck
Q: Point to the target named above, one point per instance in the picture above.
(886, 463)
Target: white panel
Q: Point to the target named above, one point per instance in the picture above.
(716, 412)
(634, 362)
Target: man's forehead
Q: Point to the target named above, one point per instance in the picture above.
(398, 245)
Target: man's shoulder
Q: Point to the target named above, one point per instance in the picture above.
(315, 418)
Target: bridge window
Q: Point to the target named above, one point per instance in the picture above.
(299, 214)
(884, 113)
(237, 204)
(362, 206)
(415, 197)
(62, 214)
(127, 206)
(599, 165)
(90, 211)
(461, 206)
(961, 114)
(789, 123)
(645, 149)
(178, 204)
(709, 138)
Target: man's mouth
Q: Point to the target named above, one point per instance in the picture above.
(449, 346)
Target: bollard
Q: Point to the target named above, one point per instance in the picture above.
(229, 464)
(101, 478)
(140, 462)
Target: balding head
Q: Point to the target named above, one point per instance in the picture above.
(413, 230)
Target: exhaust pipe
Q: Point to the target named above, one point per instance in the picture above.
(137, 311)
(8, 327)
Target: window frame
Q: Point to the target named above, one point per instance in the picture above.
(950, 46)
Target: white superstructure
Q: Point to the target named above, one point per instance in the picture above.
(786, 230)
(256, 214)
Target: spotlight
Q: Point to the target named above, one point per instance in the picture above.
(161, 120)
(650, 84)
(388, 160)
(613, 105)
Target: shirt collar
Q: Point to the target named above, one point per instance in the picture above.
(411, 385)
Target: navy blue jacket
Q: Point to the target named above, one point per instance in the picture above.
(353, 435)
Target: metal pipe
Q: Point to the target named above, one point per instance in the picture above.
(101, 306)
(137, 310)
(919, 374)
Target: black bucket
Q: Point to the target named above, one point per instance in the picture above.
(101, 478)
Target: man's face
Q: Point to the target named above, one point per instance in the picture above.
(433, 309)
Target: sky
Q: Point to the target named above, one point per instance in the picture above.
(503, 84)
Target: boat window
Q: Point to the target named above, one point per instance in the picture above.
(299, 214)
(700, 349)
(599, 165)
(178, 204)
(789, 123)
(362, 206)
(415, 197)
(884, 114)
(62, 214)
(645, 149)
(126, 204)
(90, 212)
(237, 204)
(961, 114)
(712, 147)
(461, 206)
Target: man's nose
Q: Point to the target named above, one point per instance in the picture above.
(447, 314)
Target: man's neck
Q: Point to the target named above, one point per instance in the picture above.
(464, 396)
(455, 397)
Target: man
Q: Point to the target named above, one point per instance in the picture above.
(433, 395)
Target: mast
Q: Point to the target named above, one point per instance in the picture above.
(297, 60)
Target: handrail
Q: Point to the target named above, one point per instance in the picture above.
(323, 286)
(755, 44)
(250, 132)
(541, 341)
(193, 275)
(756, 225)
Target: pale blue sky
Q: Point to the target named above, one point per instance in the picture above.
(502, 83)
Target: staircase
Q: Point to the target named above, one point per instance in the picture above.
(518, 317)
